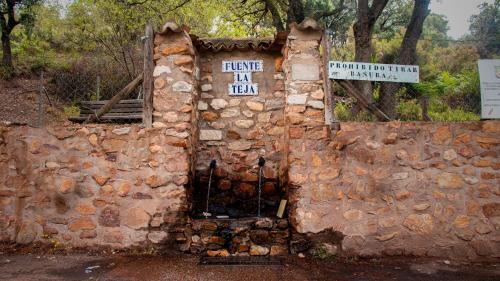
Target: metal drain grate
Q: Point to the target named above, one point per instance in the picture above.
(240, 261)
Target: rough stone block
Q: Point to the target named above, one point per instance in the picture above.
(256, 250)
(219, 104)
(240, 145)
(136, 218)
(210, 135)
(305, 72)
(316, 104)
(255, 106)
(159, 70)
(230, 112)
(206, 87)
(244, 124)
(202, 105)
(182, 86)
(296, 99)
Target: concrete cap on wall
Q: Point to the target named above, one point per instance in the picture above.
(307, 25)
(173, 27)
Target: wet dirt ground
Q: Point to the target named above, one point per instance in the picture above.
(144, 268)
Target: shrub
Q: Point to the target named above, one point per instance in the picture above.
(341, 112)
(409, 110)
(71, 111)
(455, 115)
(32, 54)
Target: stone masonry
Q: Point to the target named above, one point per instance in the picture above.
(241, 237)
(387, 189)
(92, 185)
(369, 189)
(422, 189)
(237, 130)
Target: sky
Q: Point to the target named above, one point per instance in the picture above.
(458, 13)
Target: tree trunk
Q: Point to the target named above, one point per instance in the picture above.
(407, 55)
(295, 12)
(277, 22)
(7, 52)
(424, 103)
(363, 31)
(363, 53)
(7, 24)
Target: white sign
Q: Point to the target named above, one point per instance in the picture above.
(489, 72)
(243, 70)
(374, 72)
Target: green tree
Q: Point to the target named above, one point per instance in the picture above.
(484, 28)
(436, 30)
(407, 54)
(281, 13)
(115, 27)
(13, 13)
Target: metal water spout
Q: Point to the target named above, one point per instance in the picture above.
(213, 164)
(262, 162)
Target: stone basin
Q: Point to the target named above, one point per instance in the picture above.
(239, 237)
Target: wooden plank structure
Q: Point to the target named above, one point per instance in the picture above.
(92, 111)
(117, 109)
(122, 111)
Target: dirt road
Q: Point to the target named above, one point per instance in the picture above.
(128, 268)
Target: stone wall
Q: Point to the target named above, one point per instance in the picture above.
(423, 189)
(236, 131)
(117, 186)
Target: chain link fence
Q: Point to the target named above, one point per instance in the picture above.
(91, 80)
(59, 94)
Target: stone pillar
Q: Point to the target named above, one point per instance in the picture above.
(175, 95)
(307, 133)
(175, 86)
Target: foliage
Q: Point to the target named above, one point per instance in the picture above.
(32, 54)
(71, 111)
(320, 253)
(435, 30)
(23, 12)
(69, 40)
(13, 13)
(338, 24)
(409, 110)
(394, 18)
(485, 29)
(342, 112)
(439, 111)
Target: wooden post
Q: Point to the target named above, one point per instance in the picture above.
(40, 102)
(147, 113)
(329, 103)
(98, 88)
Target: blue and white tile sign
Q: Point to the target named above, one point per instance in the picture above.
(243, 69)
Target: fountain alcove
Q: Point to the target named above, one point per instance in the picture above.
(232, 97)
(235, 131)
